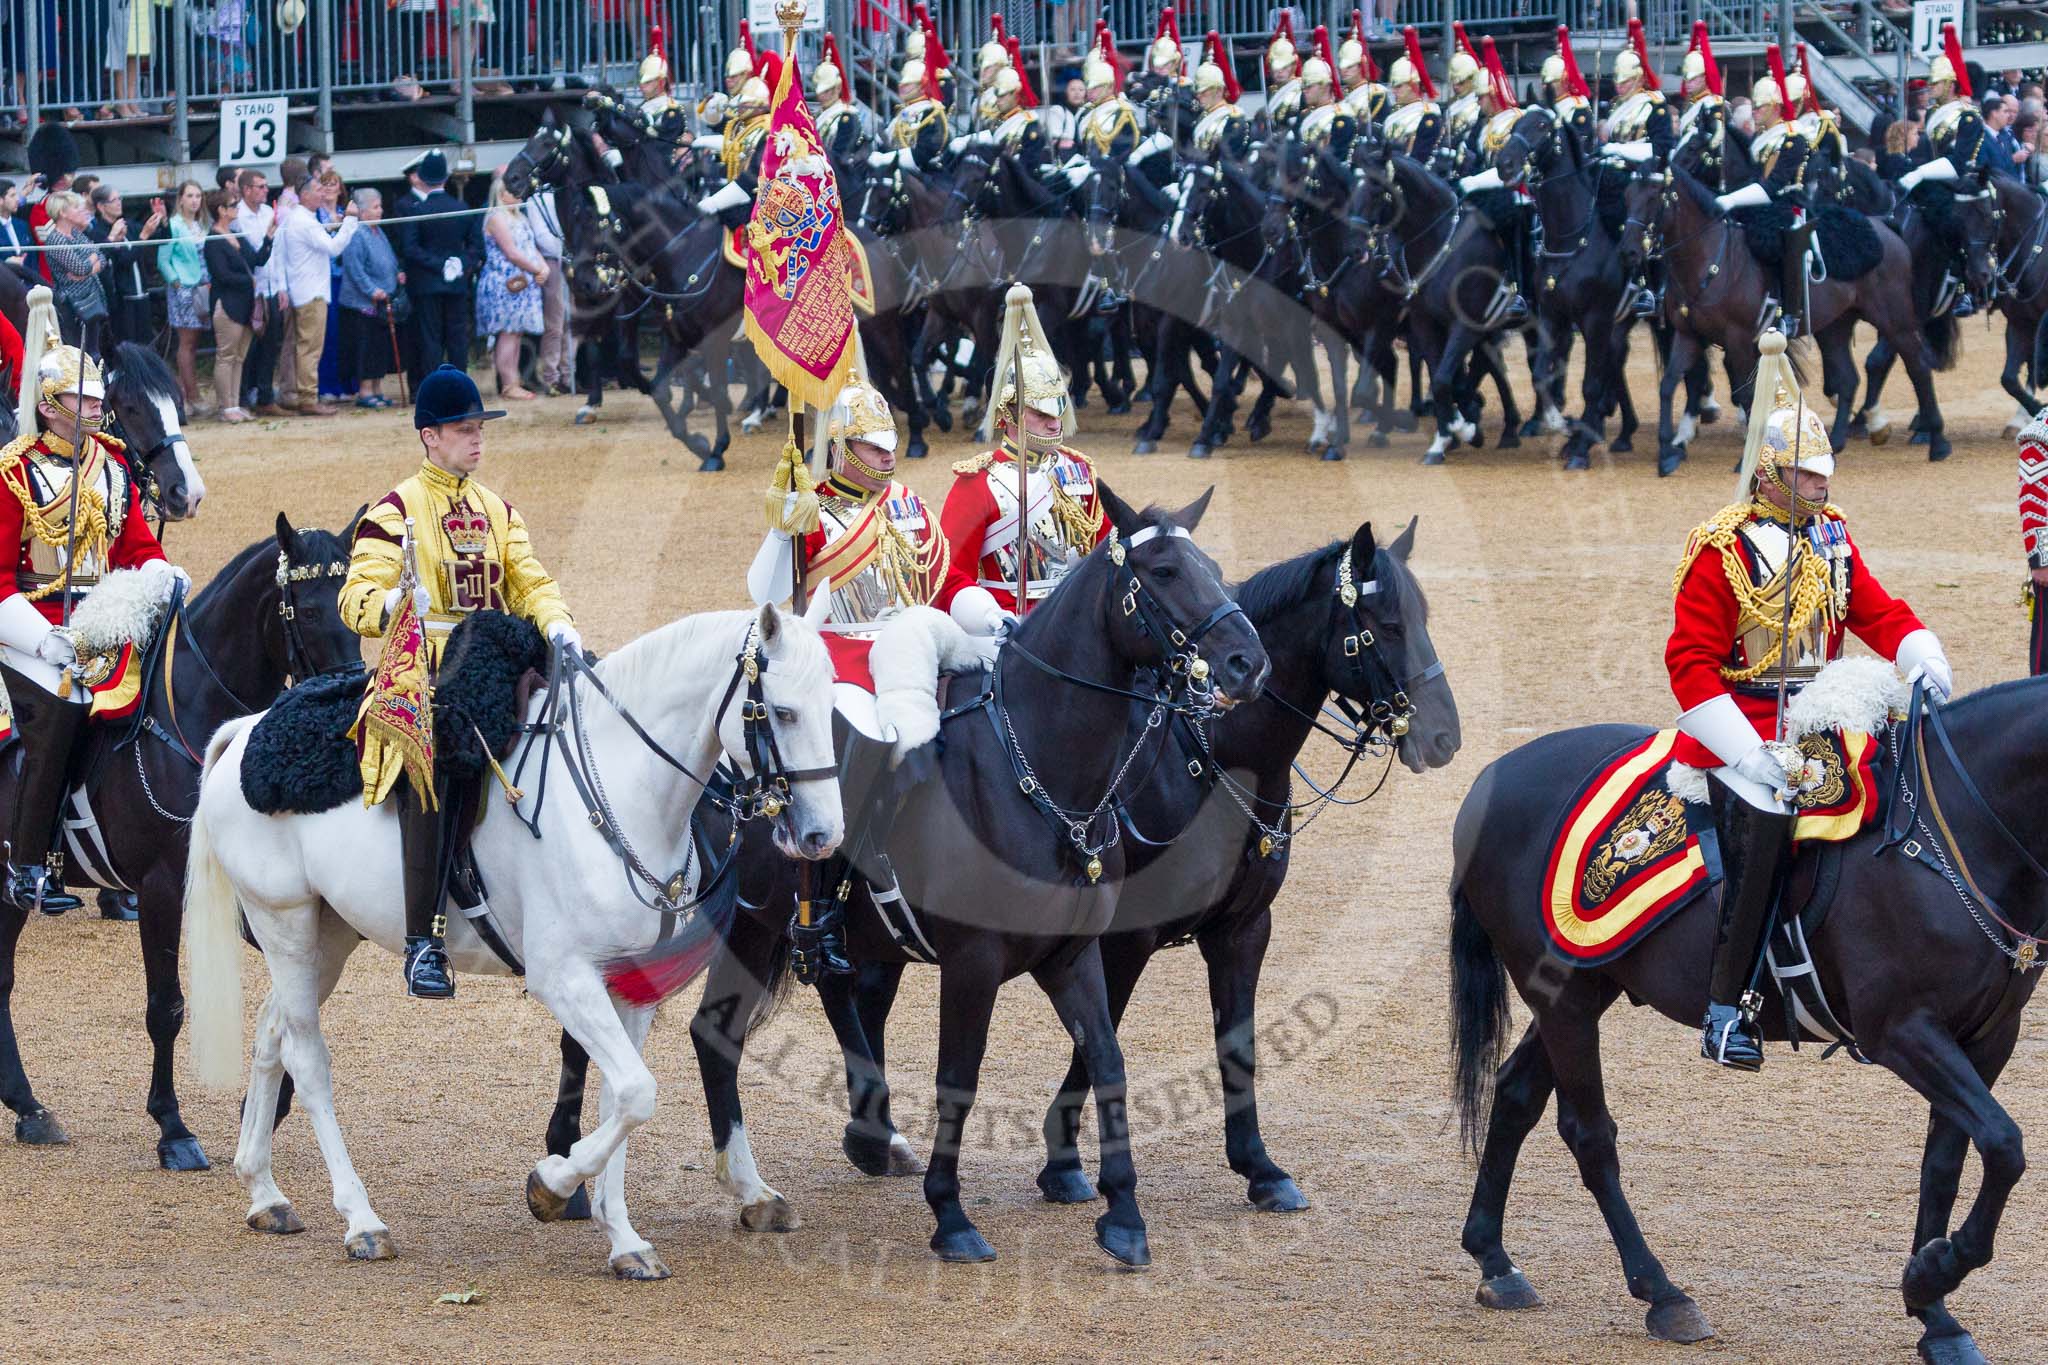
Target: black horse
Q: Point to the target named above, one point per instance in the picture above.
(991, 870)
(2022, 289)
(1448, 264)
(602, 321)
(1929, 988)
(1944, 227)
(1582, 282)
(147, 413)
(268, 617)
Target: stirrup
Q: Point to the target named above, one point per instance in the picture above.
(426, 969)
(816, 950)
(1729, 1037)
(1964, 306)
(1644, 304)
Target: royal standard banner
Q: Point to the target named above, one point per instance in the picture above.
(799, 303)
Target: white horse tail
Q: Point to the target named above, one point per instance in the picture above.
(213, 945)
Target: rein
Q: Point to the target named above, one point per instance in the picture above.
(1938, 848)
(763, 794)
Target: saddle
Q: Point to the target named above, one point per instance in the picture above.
(299, 759)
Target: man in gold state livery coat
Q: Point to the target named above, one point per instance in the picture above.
(473, 554)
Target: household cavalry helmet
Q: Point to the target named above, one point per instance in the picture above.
(860, 413)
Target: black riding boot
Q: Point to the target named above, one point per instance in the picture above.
(422, 840)
(1756, 848)
(48, 731)
(819, 947)
(1794, 281)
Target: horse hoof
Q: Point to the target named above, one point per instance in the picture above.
(1509, 1293)
(1125, 1244)
(942, 418)
(577, 1210)
(918, 450)
(1931, 1275)
(543, 1203)
(1278, 1196)
(1509, 440)
(902, 1160)
(1577, 460)
(1332, 454)
(711, 464)
(1937, 450)
(1533, 427)
(1621, 445)
(1404, 421)
(1432, 457)
(182, 1154)
(1142, 446)
(963, 1247)
(639, 1265)
(1957, 1348)
(1118, 409)
(1859, 429)
(868, 1153)
(772, 1214)
(585, 415)
(1198, 451)
(40, 1129)
(1881, 436)
(1918, 438)
(1066, 1185)
(1677, 1319)
(1710, 412)
(371, 1246)
(279, 1219)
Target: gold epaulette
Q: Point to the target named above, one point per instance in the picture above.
(16, 449)
(113, 443)
(974, 464)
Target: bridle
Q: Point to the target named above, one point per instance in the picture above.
(299, 663)
(762, 791)
(541, 171)
(1374, 726)
(1188, 692)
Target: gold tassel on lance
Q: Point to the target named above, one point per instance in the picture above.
(792, 475)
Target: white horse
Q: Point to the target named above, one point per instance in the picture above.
(567, 903)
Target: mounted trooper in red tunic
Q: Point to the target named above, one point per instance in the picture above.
(70, 514)
(875, 548)
(1029, 415)
(1734, 662)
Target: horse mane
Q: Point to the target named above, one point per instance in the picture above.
(139, 376)
(1696, 190)
(1281, 587)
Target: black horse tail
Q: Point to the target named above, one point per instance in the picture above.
(1479, 1018)
(1940, 334)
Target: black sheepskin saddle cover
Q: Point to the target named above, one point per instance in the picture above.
(1936, 202)
(1849, 244)
(300, 760)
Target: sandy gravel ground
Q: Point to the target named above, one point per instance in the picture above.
(1550, 599)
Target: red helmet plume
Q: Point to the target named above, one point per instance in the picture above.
(1027, 97)
(1641, 46)
(1369, 68)
(1217, 53)
(935, 58)
(831, 55)
(1574, 80)
(1414, 42)
(1319, 42)
(1703, 44)
(1105, 44)
(747, 42)
(1952, 46)
(1812, 104)
(1464, 40)
(1497, 76)
(1169, 26)
(768, 66)
(1775, 59)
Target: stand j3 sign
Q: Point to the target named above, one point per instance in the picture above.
(252, 132)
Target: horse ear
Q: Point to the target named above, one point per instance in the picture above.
(819, 609)
(1189, 517)
(547, 116)
(1120, 514)
(1363, 548)
(286, 536)
(770, 625)
(1404, 544)
(355, 521)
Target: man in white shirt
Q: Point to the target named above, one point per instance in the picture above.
(557, 359)
(303, 259)
(252, 220)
